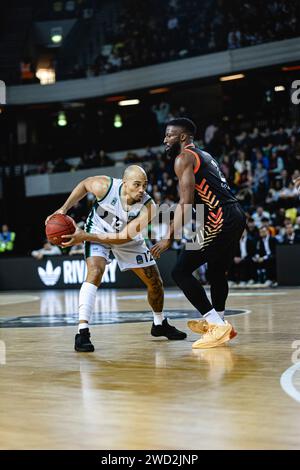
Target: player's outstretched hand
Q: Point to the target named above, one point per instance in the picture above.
(160, 247)
(75, 238)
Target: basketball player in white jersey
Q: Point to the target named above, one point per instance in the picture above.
(121, 211)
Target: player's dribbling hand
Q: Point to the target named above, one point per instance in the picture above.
(159, 248)
(75, 238)
(59, 211)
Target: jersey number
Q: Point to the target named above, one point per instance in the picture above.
(117, 224)
(222, 177)
(144, 258)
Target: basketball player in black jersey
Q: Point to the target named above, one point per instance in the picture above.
(201, 182)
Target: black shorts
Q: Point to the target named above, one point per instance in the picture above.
(219, 251)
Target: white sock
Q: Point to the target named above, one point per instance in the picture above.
(87, 297)
(82, 326)
(221, 314)
(158, 318)
(213, 317)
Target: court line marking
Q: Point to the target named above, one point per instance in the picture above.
(100, 319)
(246, 312)
(11, 299)
(255, 294)
(179, 295)
(286, 382)
(277, 303)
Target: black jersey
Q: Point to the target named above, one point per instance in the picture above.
(211, 188)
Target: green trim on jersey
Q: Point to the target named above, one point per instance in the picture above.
(148, 200)
(107, 192)
(88, 227)
(87, 249)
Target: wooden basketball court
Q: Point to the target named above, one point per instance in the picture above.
(138, 392)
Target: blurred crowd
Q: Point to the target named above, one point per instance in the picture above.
(145, 33)
(154, 31)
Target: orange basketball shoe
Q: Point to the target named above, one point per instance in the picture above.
(201, 326)
(214, 336)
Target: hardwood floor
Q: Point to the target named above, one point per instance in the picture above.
(138, 392)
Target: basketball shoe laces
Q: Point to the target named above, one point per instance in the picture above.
(211, 331)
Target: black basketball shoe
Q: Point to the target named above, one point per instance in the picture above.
(167, 330)
(82, 341)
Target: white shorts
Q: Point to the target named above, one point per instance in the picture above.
(134, 254)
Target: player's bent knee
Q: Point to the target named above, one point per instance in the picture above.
(95, 274)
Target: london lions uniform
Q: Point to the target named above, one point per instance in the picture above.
(224, 218)
(109, 216)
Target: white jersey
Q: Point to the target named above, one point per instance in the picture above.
(108, 214)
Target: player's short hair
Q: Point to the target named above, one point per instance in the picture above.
(186, 124)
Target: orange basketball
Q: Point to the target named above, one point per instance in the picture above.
(59, 225)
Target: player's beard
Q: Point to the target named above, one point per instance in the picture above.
(174, 150)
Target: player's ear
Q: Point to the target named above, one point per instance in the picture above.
(183, 137)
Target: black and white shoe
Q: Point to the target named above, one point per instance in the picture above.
(167, 330)
(83, 342)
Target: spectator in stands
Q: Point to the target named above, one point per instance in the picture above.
(297, 224)
(209, 133)
(259, 214)
(265, 222)
(281, 137)
(7, 240)
(260, 177)
(243, 268)
(276, 164)
(161, 112)
(84, 162)
(131, 157)
(285, 178)
(60, 165)
(102, 159)
(291, 213)
(47, 250)
(242, 165)
(289, 194)
(260, 157)
(265, 257)
(291, 237)
(252, 229)
(245, 194)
